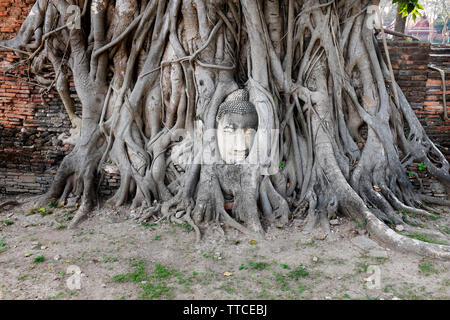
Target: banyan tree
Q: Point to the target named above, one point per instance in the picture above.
(240, 112)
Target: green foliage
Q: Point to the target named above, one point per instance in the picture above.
(427, 268)
(422, 167)
(39, 259)
(148, 225)
(361, 267)
(243, 267)
(137, 276)
(152, 285)
(409, 7)
(51, 204)
(258, 265)
(3, 246)
(285, 278)
(299, 272)
(424, 238)
(445, 229)
(8, 222)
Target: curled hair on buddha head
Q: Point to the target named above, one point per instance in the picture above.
(237, 103)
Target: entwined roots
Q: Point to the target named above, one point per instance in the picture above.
(154, 71)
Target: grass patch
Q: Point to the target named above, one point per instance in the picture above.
(299, 272)
(424, 238)
(185, 226)
(427, 268)
(445, 229)
(39, 259)
(283, 279)
(3, 247)
(8, 222)
(137, 276)
(258, 265)
(67, 216)
(337, 261)
(154, 285)
(361, 267)
(148, 225)
(110, 259)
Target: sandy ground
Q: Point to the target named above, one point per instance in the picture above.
(117, 258)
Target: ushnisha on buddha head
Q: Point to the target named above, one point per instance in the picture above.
(237, 122)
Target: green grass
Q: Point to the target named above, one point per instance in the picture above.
(60, 227)
(427, 268)
(422, 167)
(299, 272)
(58, 295)
(8, 222)
(3, 247)
(39, 259)
(137, 276)
(337, 261)
(258, 265)
(444, 229)
(185, 226)
(148, 225)
(153, 285)
(361, 267)
(110, 259)
(424, 238)
(283, 279)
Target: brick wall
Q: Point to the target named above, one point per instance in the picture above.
(432, 113)
(422, 87)
(30, 121)
(410, 64)
(12, 15)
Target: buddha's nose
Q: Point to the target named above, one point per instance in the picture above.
(240, 141)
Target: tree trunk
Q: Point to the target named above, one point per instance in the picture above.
(400, 23)
(150, 72)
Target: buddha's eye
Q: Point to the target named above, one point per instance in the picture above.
(228, 129)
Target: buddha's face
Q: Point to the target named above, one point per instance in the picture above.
(235, 134)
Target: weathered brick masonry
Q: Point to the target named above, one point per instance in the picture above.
(30, 123)
(422, 86)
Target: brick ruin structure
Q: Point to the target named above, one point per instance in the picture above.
(31, 119)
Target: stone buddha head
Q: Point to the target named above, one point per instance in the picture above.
(237, 122)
